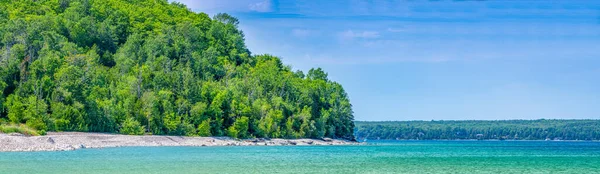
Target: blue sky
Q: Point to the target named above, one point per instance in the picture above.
(441, 60)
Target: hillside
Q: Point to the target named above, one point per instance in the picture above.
(477, 129)
(153, 67)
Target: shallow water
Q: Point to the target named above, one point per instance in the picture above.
(377, 157)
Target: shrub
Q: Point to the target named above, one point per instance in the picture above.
(23, 129)
(241, 125)
(132, 127)
(232, 132)
(204, 128)
(37, 124)
(186, 129)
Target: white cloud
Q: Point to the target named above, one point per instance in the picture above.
(395, 30)
(349, 34)
(264, 6)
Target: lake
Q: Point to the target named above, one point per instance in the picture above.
(376, 157)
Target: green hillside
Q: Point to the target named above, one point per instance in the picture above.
(150, 66)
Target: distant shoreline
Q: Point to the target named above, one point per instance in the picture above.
(481, 130)
(66, 141)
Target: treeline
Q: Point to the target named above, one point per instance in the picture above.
(150, 66)
(503, 129)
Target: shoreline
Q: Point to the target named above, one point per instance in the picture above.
(481, 140)
(67, 141)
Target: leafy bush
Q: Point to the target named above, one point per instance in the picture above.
(204, 128)
(132, 127)
(239, 128)
(23, 129)
(232, 132)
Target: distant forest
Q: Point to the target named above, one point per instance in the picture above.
(455, 130)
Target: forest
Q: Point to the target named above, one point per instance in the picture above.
(154, 67)
(542, 129)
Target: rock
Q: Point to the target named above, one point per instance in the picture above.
(69, 147)
(327, 139)
(16, 134)
(255, 140)
(50, 140)
(72, 141)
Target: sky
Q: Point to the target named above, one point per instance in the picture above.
(437, 60)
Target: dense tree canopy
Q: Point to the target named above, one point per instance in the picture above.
(150, 66)
(504, 129)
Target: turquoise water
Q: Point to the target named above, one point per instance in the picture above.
(379, 157)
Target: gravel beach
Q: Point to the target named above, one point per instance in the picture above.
(63, 141)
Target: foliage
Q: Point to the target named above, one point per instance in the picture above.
(115, 65)
(239, 129)
(504, 129)
(21, 128)
(204, 128)
(132, 127)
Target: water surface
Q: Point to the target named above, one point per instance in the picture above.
(377, 157)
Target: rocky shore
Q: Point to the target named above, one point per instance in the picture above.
(64, 141)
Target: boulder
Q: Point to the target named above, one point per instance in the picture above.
(256, 140)
(50, 140)
(327, 139)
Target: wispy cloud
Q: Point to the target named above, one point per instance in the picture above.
(212, 7)
(349, 34)
(443, 50)
(264, 6)
(326, 59)
(395, 30)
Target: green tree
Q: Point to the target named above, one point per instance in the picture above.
(81, 65)
(15, 108)
(132, 127)
(204, 128)
(239, 129)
